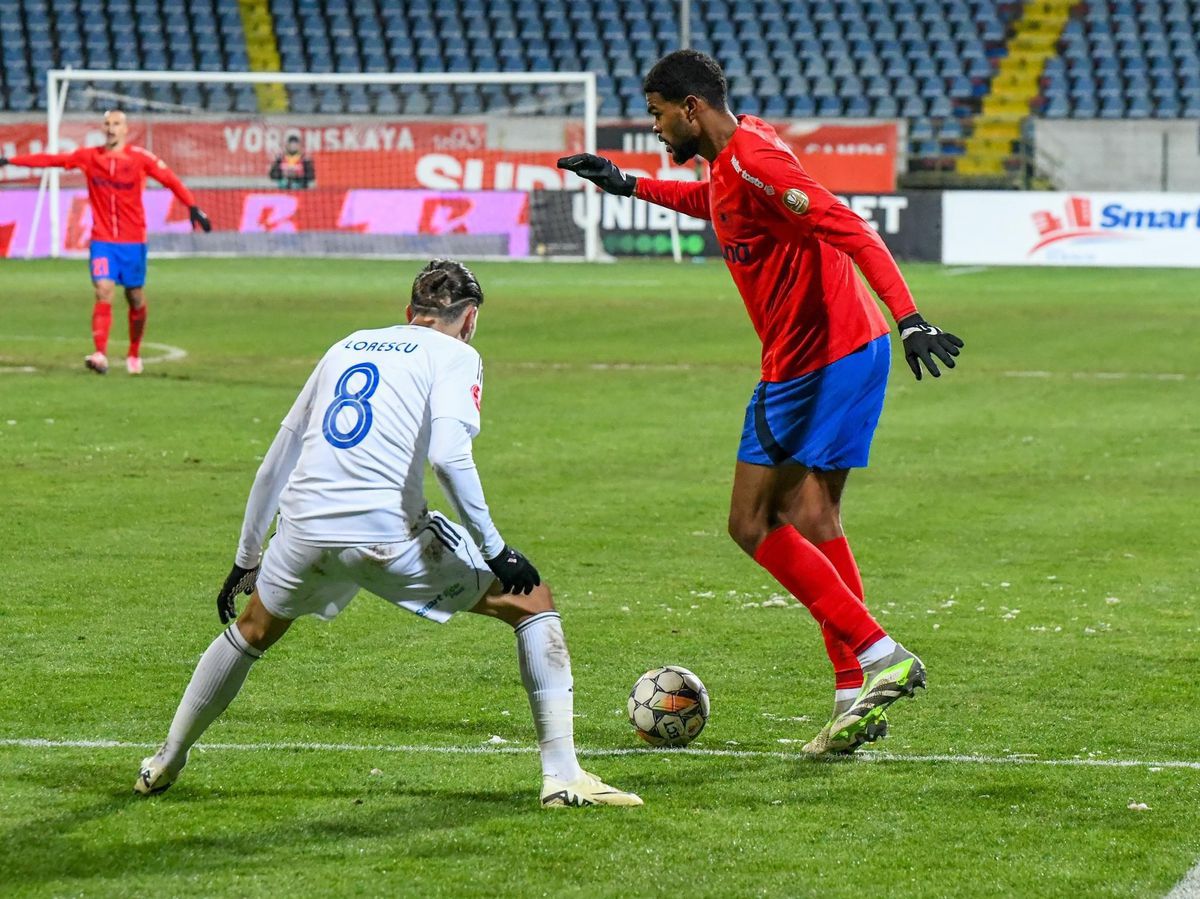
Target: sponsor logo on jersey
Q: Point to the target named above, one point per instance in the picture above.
(795, 200)
(736, 253)
(751, 179)
(115, 185)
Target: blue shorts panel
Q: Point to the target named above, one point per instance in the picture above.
(824, 419)
(124, 263)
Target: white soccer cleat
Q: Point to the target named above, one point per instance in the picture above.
(155, 777)
(585, 790)
(133, 365)
(97, 362)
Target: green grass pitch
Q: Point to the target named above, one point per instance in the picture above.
(1028, 525)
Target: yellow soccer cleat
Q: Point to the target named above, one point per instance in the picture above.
(583, 791)
(155, 777)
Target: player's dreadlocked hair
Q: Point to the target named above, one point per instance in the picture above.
(444, 288)
(687, 72)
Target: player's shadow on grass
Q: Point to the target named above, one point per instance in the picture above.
(121, 834)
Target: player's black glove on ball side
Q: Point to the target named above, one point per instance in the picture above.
(197, 216)
(601, 172)
(922, 341)
(240, 580)
(515, 573)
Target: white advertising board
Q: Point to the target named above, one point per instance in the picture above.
(1121, 230)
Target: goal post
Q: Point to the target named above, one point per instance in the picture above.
(404, 164)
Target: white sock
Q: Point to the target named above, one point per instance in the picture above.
(843, 699)
(218, 678)
(876, 652)
(546, 673)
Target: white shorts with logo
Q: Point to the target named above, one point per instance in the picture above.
(435, 574)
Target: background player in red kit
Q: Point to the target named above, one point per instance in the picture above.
(116, 178)
(791, 247)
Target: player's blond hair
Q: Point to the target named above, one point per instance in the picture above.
(444, 288)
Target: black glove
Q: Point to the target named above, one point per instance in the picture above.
(922, 339)
(3, 161)
(240, 580)
(196, 214)
(515, 573)
(601, 172)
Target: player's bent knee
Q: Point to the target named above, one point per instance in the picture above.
(816, 526)
(259, 627)
(747, 533)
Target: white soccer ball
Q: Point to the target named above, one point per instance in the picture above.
(668, 706)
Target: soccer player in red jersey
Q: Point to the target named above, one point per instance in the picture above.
(792, 248)
(116, 178)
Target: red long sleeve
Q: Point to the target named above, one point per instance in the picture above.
(843, 230)
(45, 160)
(160, 172)
(688, 197)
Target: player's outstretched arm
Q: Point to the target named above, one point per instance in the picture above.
(40, 160)
(161, 172)
(688, 197)
(272, 476)
(453, 464)
(601, 172)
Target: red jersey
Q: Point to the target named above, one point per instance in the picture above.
(791, 247)
(115, 182)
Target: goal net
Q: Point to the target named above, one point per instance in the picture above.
(402, 165)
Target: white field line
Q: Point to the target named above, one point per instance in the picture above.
(1103, 375)
(965, 270)
(865, 756)
(1189, 887)
(699, 366)
(169, 353)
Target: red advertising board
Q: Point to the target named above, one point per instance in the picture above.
(448, 155)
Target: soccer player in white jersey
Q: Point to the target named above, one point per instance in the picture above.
(346, 473)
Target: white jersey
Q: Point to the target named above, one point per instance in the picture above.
(364, 418)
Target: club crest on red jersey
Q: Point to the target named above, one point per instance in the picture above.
(796, 200)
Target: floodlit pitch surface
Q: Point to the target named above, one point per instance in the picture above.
(1028, 526)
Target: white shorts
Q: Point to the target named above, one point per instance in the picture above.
(435, 574)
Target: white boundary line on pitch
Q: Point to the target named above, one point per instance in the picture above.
(865, 756)
(1189, 887)
(1103, 375)
(169, 353)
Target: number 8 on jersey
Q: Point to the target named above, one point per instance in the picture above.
(356, 402)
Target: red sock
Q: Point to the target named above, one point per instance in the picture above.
(137, 325)
(101, 323)
(811, 578)
(847, 673)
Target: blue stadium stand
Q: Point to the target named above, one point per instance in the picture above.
(928, 61)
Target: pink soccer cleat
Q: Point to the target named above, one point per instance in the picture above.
(97, 362)
(133, 365)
